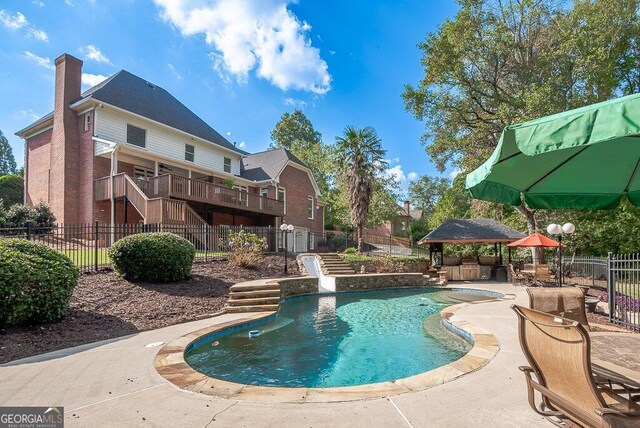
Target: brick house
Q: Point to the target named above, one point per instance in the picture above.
(127, 151)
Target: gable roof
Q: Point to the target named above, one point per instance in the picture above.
(466, 231)
(136, 95)
(267, 165)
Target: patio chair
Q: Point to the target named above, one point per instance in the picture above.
(558, 350)
(569, 303)
(516, 277)
(542, 273)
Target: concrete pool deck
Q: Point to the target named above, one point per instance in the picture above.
(114, 383)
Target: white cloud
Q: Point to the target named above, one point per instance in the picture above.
(412, 176)
(396, 173)
(174, 71)
(89, 79)
(453, 174)
(37, 3)
(295, 103)
(242, 145)
(38, 34)
(40, 61)
(30, 114)
(228, 133)
(93, 53)
(246, 36)
(12, 22)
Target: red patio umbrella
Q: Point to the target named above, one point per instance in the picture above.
(535, 240)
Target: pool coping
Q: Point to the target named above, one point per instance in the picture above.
(171, 365)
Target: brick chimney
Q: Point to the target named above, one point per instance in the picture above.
(407, 207)
(65, 141)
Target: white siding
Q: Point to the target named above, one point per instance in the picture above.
(101, 148)
(161, 141)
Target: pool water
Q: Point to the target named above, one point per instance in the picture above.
(337, 340)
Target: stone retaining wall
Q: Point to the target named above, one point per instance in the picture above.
(375, 281)
(410, 267)
(298, 286)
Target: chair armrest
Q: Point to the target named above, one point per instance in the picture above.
(526, 369)
(616, 413)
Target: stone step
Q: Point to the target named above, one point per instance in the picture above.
(261, 308)
(254, 293)
(254, 301)
(248, 287)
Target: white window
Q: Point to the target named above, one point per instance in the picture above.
(227, 165)
(87, 121)
(189, 152)
(282, 197)
(136, 136)
(310, 207)
(264, 192)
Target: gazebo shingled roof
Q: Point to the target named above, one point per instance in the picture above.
(472, 231)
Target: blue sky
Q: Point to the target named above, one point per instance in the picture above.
(238, 64)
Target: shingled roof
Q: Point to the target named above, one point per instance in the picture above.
(470, 231)
(136, 95)
(267, 165)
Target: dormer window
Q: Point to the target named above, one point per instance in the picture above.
(189, 152)
(227, 165)
(136, 136)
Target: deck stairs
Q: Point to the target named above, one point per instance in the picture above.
(332, 264)
(254, 296)
(171, 213)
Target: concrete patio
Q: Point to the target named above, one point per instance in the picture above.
(114, 383)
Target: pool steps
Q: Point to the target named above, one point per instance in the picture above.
(332, 264)
(246, 297)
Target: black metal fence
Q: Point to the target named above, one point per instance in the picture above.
(374, 244)
(624, 289)
(87, 244)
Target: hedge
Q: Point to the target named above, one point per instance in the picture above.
(36, 282)
(153, 257)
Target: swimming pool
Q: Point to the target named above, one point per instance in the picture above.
(337, 340)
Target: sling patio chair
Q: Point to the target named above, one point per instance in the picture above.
(559, 353)
(569, 303)
(517, 277)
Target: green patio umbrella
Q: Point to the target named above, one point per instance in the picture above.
(586, 158)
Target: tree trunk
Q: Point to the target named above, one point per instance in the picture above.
(532, 227)
(359, 231)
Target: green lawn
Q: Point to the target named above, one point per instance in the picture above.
(84, 258)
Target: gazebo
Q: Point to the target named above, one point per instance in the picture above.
(458, 231)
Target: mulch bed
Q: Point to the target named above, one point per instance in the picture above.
(105, 306)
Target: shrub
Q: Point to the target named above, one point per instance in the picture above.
(350, 250)
(388, 264)
(18, 215)
(153, 257)
(36, 282)
(246, 248)
(41, 215)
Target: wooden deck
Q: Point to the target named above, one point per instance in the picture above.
(170, 186)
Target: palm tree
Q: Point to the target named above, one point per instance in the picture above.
(361, 159)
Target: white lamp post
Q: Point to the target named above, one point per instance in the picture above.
(556, 229)
(286, 228)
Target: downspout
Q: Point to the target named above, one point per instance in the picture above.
(114, 165)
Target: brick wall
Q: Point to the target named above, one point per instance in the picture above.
(37, 173)
(65, 142)
(86, 171)
(379, 281)
(298, 187)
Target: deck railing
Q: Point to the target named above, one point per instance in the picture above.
(174, 186)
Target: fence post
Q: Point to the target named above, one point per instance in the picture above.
(29, 231)
(611, 286)
(95, 246)
(206, 243)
